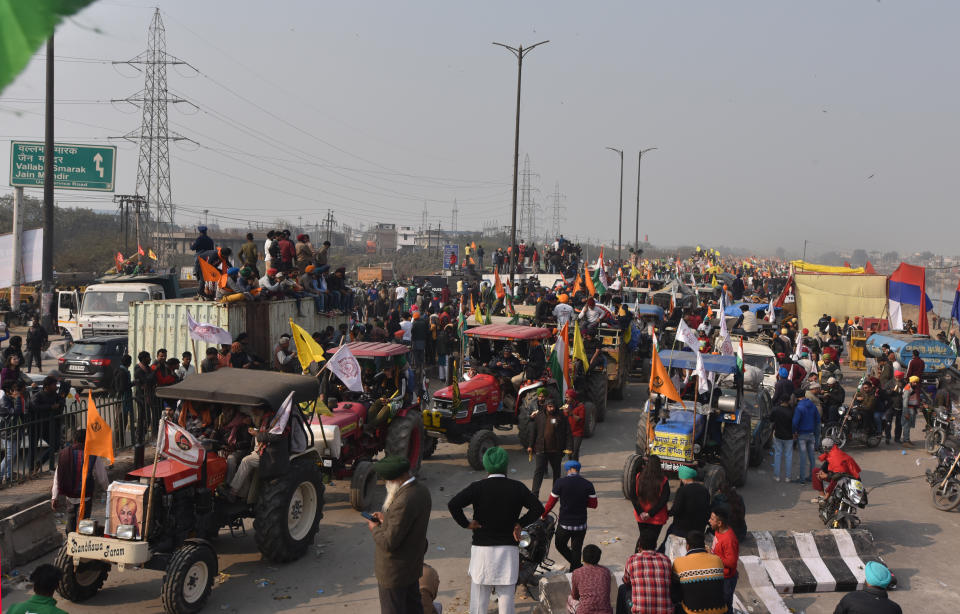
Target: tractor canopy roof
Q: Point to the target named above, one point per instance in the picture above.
(650, 310)
(369, 349)
(713, 363)
(243, 387)
(509, 331)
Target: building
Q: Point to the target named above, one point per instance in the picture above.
(386, 238)
(406, 237)
(429, 239)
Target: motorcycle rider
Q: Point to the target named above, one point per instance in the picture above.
(914, 401)
(834, 461)
(832, 395)
(867, 406)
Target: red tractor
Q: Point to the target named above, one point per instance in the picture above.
(170, 527)
(360, 425)
(486, 402)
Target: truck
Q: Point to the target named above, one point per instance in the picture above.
(102, 309)
(155, 324)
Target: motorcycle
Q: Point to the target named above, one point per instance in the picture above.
(945, 479)
(839, 509)
(853, 426)
(940, 425)
(534, 545)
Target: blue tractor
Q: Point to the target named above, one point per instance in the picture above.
(712, 434)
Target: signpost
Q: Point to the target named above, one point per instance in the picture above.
(450, 255)
(76, 167)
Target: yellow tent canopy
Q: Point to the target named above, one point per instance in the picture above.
(806, 267)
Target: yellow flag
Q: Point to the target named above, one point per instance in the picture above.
(98, 442)
(308, 350)
(634, 272)
(151, 255)
(579, 352)
(660, 381)
(477, 314)
(713, 282)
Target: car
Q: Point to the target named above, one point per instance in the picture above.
(93, 362)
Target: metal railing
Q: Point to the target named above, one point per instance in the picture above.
(30, 446)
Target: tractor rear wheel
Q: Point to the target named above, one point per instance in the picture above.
(597, 392)
(405, 438)
(480, 442)
(361, 485)
(643, 443)
(81, 582)
(631, 468)
(288, 512)
(735, 449)
(713, 477)
(188, 579)
(758, 443)
(589, 419)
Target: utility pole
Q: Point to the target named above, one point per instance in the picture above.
(518, 52)
(620, 222)
(17, 247)
(636, 230)
(49, 156)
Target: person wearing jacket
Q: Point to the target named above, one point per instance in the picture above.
(576, 415)
(271, 452)
(873, 598)
(36, 341)
(575, 494)
(782, 418)
(691, 506)
(835, 461)
(12, 412)
(550, 439)
(494, 556)
(806, 417)
(400, 537)
(650, 504)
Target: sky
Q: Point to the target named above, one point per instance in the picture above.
(774, 122)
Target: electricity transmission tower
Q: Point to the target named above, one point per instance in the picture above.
(557, 209)
(424, 224)
(528, 206)
(153, 168)
(453, 217)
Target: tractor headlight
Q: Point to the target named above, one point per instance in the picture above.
(696, 448)
(87, 526)
(125, 531)
(524, 539)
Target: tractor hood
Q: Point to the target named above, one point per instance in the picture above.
(478, 384)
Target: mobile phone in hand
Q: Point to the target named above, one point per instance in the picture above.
(370, 517)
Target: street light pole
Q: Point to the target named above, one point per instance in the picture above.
(636, 230)
(49, 168)
(620, 222)
(519, 52)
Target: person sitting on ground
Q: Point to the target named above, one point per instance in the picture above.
(590, 584)
(698, 578)
(45, 579)
(873, 598)
(646, 580)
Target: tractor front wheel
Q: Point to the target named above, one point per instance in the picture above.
(81, 582)
(480, 442)
(405, 438)
(188, 579)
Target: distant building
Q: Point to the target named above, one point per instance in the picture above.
(386, 238)
(430, 239)
(406, 237)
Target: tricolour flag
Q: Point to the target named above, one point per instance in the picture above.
(600, 281)
(907, 286)
(207, 333)
(308, 350)
(344, 365)
(560, 359)
(98, 442)
(179, 444)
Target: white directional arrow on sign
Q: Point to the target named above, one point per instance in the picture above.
(98, 159)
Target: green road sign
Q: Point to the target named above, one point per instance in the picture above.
(76, 167)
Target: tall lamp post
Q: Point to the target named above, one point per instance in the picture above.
(620, 222)
(519, 52)
(636, 230)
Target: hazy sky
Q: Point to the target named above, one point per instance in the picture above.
(825, 120)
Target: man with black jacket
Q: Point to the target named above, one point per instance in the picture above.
(550, 439)
(691, 506)
(36, 341)
(494, 556)
(46, 407)
(873, 599)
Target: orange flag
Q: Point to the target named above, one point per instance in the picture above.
(498, 285)
(660, 381)
(210, 272)
(99, 442)
(577, 285)
(591, 289)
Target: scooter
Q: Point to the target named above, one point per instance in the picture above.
(851, 428)
(839, 509)
(945, 479)
(534, 545)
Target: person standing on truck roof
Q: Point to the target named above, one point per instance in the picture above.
(287, 251)
(304, 252)
(249, 255)
(201, 244)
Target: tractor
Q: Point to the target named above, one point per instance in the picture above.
(349, 437)
(713, 438)
(469, 411)
(180, 509)
(648, 319)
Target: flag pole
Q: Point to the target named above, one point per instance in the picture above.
(153, 478)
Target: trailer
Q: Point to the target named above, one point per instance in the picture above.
(163, 324)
